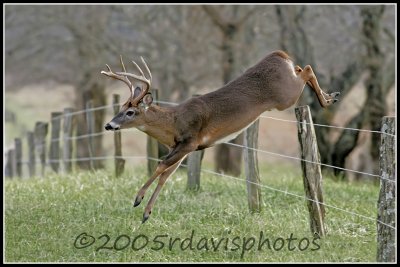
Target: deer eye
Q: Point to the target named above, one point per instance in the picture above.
(130, 113)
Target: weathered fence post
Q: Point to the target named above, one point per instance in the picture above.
(251, 167)
(194, 169)
(119, 161)
(10, 165)
(31, 152)
(387, 195)
(152, 143)
(18, 156)
(90, 130)
(54, 155)
(312, 177)
(41, 129)
(67, 141)
(14, 162)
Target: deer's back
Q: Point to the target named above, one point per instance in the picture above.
(236, 105)
(264, 86)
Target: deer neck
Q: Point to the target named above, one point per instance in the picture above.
(159, 123)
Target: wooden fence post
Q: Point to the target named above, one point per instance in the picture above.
(31, 152)
(10, 165)
(119, 161)
(41, 129)
(54, 155)
(18, 156)
(68, 128)
(90, 130)
(251, 167)
(194, 169)
(387, 196)
(152, 144)
(312, 177)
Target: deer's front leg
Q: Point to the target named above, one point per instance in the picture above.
(140, 195)
(309, 77)
(163, 178)
(174, 156)
(165, 169)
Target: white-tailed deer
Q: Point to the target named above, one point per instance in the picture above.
(213, 118)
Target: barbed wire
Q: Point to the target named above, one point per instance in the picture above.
(84, 136)
(328, 126)
(298, 196)
(308, 161)
(48, 162)
(232, 144)
(261, 116)
(236, 145)
(83, 111)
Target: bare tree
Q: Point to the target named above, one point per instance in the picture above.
(70, 44)
(228, 158)
(295, 38)
(67, 44)
(381, 74)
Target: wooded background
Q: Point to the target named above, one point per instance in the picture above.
(196, 49)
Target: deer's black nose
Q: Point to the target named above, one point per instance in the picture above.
(108, 127)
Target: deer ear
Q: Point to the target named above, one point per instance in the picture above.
(137, 92)
(147, 100)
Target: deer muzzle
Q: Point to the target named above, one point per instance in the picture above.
(111, 126)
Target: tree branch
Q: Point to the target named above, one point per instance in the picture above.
(215, 17)
(389, 34)
(388, 77)
(245, 17)
(346, 142)
(345, 81)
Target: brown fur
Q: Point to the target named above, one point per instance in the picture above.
(200, 122)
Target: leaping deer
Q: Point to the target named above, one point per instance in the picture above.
(219, 116)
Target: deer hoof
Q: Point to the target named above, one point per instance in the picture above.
(335, 94)
(333, 97)
(145, 217)
(138, 200)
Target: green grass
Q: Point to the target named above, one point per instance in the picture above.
(44, 217)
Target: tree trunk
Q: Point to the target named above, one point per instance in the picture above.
(375, 104)
(90, 89)
(228, 159)
(295, 41)
(346, 143)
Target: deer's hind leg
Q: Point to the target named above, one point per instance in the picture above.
(309, 77)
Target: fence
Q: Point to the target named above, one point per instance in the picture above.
(60, 158)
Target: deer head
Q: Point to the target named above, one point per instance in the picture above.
(131, 113)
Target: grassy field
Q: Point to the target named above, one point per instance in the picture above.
(89, 217)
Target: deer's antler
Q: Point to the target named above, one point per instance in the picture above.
(141, 78)
(118, 76)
